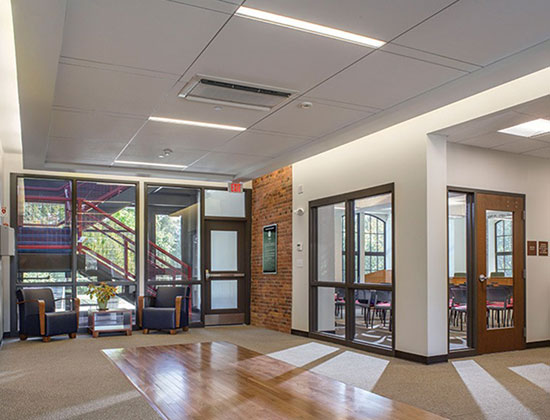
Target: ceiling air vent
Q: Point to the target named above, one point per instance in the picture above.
(233, 93)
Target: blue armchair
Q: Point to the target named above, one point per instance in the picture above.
(168, 310)
(37, 315)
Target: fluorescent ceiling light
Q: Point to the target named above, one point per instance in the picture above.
(304, 26)
(197, 124)
(529, 129)
(164, 165)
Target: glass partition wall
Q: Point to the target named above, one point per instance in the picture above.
(352, 280)
(71, 233)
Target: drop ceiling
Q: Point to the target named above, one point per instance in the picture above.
(484, 131)
(91, 73)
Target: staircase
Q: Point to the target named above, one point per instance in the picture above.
(105, 245)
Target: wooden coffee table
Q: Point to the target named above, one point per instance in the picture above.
(111, 320)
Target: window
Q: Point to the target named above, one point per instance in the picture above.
(356, 253)
(44, 230)
(173, 234)
(106, 231)
(354, 307)
(503, 247)
(375, 244)
(173, 241)
(44, 214)
(65, 242)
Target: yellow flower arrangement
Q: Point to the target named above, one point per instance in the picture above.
(102, 292)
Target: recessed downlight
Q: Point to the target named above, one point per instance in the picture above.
(302, 25)
(532, 128)
(197, 123)
(138, 163)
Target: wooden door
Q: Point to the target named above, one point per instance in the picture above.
(500, 264)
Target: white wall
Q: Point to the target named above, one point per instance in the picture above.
(498, 171)
(406, 155)
(12, 163)
(397, 159)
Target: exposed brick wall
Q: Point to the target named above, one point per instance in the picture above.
(271, 294)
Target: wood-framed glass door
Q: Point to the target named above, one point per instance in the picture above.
(500, 268)
(225, 272)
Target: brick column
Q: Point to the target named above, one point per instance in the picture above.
(271, 294)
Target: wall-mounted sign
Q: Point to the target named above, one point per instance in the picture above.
(235, 187)
(543, 248)
(531, 247)
(269, 250)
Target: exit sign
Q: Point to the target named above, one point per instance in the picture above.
(235, 187)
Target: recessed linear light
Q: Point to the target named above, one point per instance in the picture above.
(164, 165)
(533, 128)
(197, 124)
(304, 26)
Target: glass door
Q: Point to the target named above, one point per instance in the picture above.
(225, 273)
(500, 282)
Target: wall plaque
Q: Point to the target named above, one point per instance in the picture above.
(531, 247)
(543, 248)
(269, 250)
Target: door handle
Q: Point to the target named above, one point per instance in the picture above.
(208, 275)
(483, 278)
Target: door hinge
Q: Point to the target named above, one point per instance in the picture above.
(524, 274)
(523, 215)
(525, 331)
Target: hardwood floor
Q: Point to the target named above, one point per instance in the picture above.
(220, 380)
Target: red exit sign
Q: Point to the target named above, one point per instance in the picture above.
(235, 187)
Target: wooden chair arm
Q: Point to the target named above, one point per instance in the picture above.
(141, 300)
(179, 300)
(42, 316)
(76, 302)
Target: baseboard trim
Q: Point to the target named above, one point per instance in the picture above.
(299, 332)
(537, 344)
(426, 360)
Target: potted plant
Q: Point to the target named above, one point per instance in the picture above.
(102, 292)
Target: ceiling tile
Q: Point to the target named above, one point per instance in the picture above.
(383, 20)
(256, 52)
(382, 80)
(175, 136)
(483, 125)
(545, 138)
(148, 34)
(539, 108)
(63, 150)
(316, 121)
(490, 140)
(522, 145)
(96, 89)
(430, 58)
(92, 125)
(226, 163)
(262, 144)
(542, 153)
(482, 32)
(147, 152)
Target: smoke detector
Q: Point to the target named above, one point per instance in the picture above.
(165, 153)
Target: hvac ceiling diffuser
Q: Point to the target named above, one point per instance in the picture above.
(233, 93)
